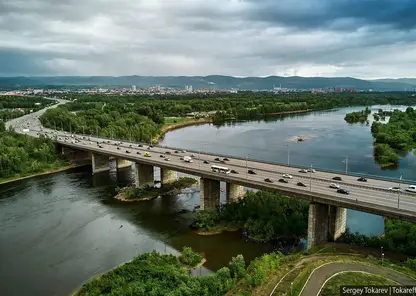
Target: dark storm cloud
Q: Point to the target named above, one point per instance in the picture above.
(335, 14)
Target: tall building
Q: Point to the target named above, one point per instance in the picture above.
(188, 88)
(133, 88)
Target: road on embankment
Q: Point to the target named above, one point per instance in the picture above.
(320, 275)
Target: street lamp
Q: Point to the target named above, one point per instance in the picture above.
(382, 258)
(398, 192)
(288, 155)
(291, 288)
(199, 158)
(346, 165)
(310, 177)
(247, 166)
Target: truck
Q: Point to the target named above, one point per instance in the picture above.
(25, 130)
(187, 159)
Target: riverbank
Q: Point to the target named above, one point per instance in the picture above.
(173, 126)
(133, 194)
(49, 171)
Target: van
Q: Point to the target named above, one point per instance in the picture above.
(411, 188)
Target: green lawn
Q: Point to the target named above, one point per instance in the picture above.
(332, 287)
(173, 120)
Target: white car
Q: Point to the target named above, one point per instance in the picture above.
(311, 170)
(334, 185)
(395, 189)
(287, 176)
(303, 171)
(411, 188)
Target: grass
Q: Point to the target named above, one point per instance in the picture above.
(332, 287)
(177, 120)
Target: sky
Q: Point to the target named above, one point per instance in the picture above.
(366, 39)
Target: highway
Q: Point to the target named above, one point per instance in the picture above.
(372, 196)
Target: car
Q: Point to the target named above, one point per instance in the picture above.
(268, 180)
(222, 161)
(192, 155)
(343, 191)
(411, 188)
(131, 146)
(303, 171)
(395, 189)
(162, 156)
(181, 158)
(283, 181)
(183, 151)
(311, 170)
(127, 151)
(287, 176)
(234, 172)
(118, 148)
(218, 159)
(138, 152)
(140, 145)
(334, 185)
(362, 179)
(206, 161)
(225, 159)
(148, 148)
(151, 146)
(176, 151)
(167, 158)
(101, 146)
(301, 184)
(337, 178)
(167, 152)
(252, 172)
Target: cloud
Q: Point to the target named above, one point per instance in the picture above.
(360, 38)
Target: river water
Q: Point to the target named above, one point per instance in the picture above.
(57, 231)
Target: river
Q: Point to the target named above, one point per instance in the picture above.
(57, 231)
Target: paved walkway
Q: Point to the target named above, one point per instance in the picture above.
(320, 275)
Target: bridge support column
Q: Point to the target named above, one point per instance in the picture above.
(209, 194)
(317, 224)
(122, 163)
(100, 163)
(337, 222)
(167, 176)
(143, 175)
(234, 192)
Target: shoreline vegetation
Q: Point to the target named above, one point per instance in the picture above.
(358, 116)
(58, 169)
(133, 194)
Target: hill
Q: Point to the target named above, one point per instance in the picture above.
(212, 81)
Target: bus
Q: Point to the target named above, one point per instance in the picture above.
(219, 169)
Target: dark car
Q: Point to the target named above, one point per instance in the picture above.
(101, 146)
(131, 146)
(252, 172)
(268, 180)
(301, 184)
(343, 191)
(283, 181)
(162, 156)
(151, 146)
(176, 151)
(140, 145)
(222, 161)
(217, 159)
(148, 148)
(118, 148)
(226, 159)
(206, 161)
(138, 152)
(167, 152)
(362, 179)
(234, 172)
(337, 178)
(127, 151)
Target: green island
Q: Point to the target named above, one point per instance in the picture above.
(22, 156)
(398, 135)
(131, 194)
(146, 118)
(162, 274)
(331, 288)
(359, 116)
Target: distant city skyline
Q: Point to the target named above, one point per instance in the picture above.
(242, 38)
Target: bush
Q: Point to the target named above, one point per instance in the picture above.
(237, 267)
(189, 257)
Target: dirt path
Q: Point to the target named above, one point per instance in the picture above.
(320, 275)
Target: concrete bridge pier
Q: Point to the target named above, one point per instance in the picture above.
(167, 176)
(209, 194)
(234, 192)
(143, 175)
(100, 163)
(122, 163)
(325, 221)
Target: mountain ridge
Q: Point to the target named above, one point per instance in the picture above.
(211, 81)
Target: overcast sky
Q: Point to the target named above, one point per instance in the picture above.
(359, 38)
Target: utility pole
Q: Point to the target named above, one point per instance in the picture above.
(247, 167)
(346, 165)
(398, 192)
(288, 155)
(310, 178)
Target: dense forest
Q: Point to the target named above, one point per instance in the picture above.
(22, 155)
(264, 216)
(359, 116)
(16, 106)
(399, 134)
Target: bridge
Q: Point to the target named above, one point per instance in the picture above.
(327, 210)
